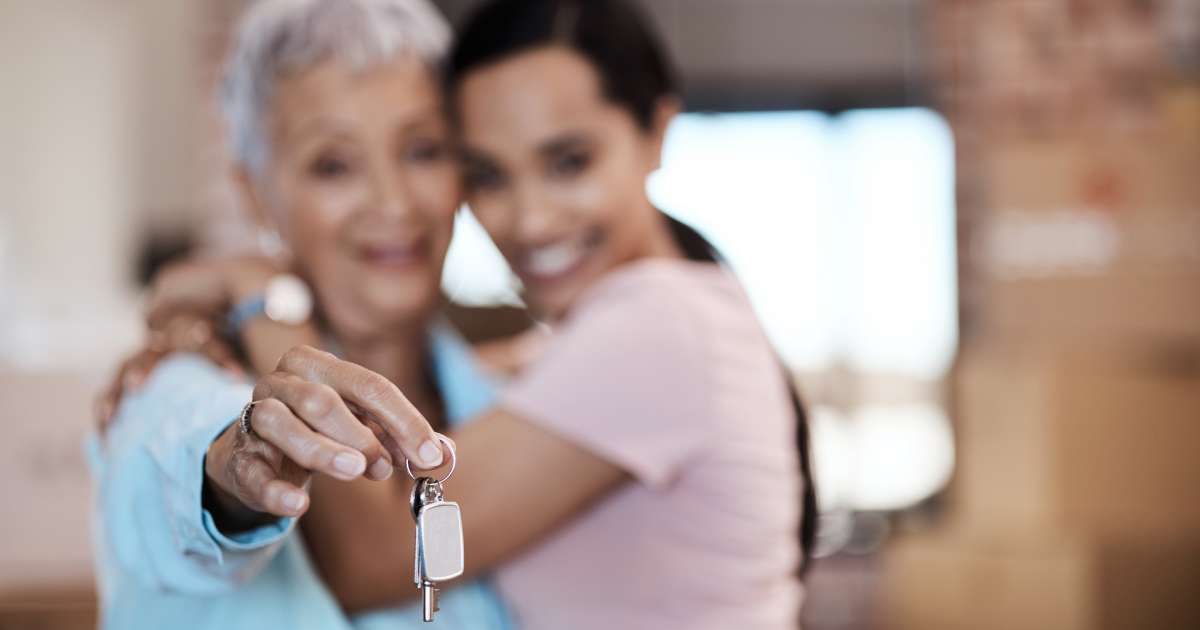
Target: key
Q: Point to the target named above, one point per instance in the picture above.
(428, 601)
(439, 542)
(415, 505)
(440, 525)
(428, 589)
(438, 555)
(439, 551)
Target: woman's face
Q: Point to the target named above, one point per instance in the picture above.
(555, 172)
(362, 185)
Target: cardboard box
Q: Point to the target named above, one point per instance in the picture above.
(63, 607)
(1086, 238)
(1087, 440)
(1064, 309)
(45, 533)
(1100, 171)
(1078, 273)
(935, 584)
(950, 583)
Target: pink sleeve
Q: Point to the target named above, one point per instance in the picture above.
(624, 378)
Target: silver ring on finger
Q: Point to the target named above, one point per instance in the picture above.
(244, 418)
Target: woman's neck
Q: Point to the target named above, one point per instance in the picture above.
(660, 240)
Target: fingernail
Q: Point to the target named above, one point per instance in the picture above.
(293, 501)
(352, 464)
(381, 469)
(430, 453)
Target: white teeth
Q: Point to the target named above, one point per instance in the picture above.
(393, 255)
(396, 252)
(553, 260)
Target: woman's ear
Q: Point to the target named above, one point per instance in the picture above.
(250, 194)
(664, 112)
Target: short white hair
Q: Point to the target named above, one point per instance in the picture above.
(280, 36)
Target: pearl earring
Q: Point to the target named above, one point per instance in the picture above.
(269, 243)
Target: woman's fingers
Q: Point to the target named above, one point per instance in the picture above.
(409, 432)
(282, 498)
(250, 478)
(130, 376)
(221, 354)
(193, 285)
(107, 401)
(258, 486)
(190, 331)
(274, 423)
(137, 369)
(323, 410)
(181, 332)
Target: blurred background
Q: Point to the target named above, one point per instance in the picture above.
(972, 228)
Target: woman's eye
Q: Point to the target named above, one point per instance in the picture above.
(482, 178)
(426, 152)
(329, 167)
(570, 164)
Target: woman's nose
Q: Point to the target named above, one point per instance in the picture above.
(535, 218)
(390, 195)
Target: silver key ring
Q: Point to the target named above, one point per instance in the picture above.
(453, 460)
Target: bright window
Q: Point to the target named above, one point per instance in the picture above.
(842, 229)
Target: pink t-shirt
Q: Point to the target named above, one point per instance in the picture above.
(663, 369)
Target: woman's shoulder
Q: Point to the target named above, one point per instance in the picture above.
(664, 291)
(691, 320)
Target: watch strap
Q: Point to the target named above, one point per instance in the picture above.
(244, 311)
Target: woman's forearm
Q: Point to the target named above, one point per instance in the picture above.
(360, 538)
(265, 341)
(360, 534)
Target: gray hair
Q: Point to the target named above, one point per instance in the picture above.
(280, 36)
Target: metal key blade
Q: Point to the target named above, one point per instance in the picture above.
(428, 601)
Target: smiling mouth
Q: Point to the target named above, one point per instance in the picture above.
(396, 255)
(557, 260)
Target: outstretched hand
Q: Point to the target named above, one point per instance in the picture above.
(314, 414)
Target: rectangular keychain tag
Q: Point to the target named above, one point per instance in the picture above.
(439, 528)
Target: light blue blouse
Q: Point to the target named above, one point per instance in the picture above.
(161, 561)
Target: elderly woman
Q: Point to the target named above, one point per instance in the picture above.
(341, 151)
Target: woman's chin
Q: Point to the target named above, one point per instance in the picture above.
(554, 299)
(395, 269)
(390, 305)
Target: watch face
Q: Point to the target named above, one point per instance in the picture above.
(288, 300)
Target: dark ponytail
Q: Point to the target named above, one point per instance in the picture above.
(697, 248)
(634, 73)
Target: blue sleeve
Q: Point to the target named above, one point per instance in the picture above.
(467, 388)
(149, 472)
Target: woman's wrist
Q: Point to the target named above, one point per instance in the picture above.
(262, 339)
